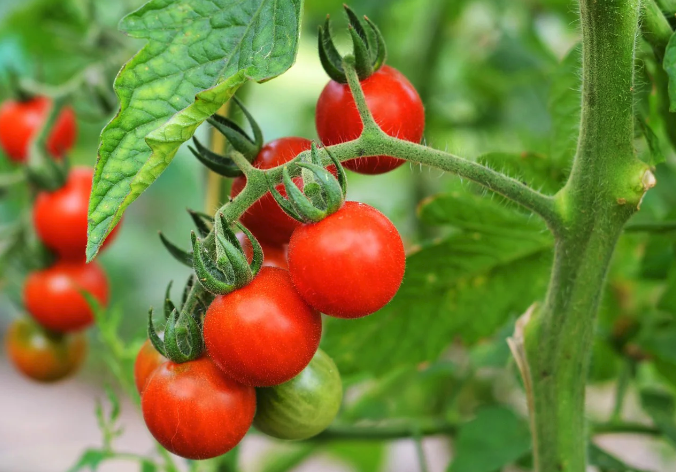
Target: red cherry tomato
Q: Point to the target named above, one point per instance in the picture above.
(350, 264)
(60, 217)
(265, 219)
(53, 296)
(262, 334)
(20, 121)
(42, 355)
(147, 360)
(195, 411)
(273, 256)
(395, 106)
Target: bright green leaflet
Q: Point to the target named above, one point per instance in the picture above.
(198, 53)
(477, 451)
(670, 67)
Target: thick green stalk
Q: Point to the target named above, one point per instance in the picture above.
(605, 188)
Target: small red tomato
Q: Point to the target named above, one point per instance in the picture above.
(60, 217)
(147, 360)
(265, 219)
(262, 334)
(43, 355)
(21, 120)
(195, 411)
(273, 255)
(350, 264)
(394, 104)
(53, 296)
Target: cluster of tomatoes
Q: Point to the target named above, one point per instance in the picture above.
(49, 345)
(262, 364)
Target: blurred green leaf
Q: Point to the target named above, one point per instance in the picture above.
(198, 54)
(564, 107)
(466, 286)
(660, 406)
(492, 440)
(669, 65)
(608, 463)
(90, 460)
(536, 170)
(361, 456)
(656, 154)
(658, 257)
(288, 460)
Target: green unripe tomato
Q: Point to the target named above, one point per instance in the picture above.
(305, 405)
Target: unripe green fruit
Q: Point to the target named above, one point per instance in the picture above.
(305, 405)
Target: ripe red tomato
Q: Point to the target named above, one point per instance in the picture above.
(21, 120)
(60, 217)
(42, 355)
(52, 296)
(147, 360)
(273, 255)
(350, 264)
(262, 334)
(395, 106)
(196, 411)
(265, 219)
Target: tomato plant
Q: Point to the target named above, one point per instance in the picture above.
(262, 334)
(42, 355)
(195, 411)
(520, 257)
(53, 295)
(20, 121)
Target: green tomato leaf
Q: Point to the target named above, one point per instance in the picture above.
(470, 212)
(669, 65)
(660, 407)
(604, 461)
(656, 154)
(466, 285)
(565, 108)
(361, 456)
(198, 53)
(90, 460)
(534, 169)
(492, 440)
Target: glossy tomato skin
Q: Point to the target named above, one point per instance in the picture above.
(305, 405)
(265, 219)
(60, 217)
(42, 355)
(350, 264)
(195, 411)
(394, 103)
(21, 120)
(147, 360)
(52, 296)
(262, 334)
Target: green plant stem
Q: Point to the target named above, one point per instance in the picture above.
(621, 390)
(398, 430)
(605, 188)
(667, 6)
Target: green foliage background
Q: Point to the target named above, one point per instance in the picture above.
(500, 81)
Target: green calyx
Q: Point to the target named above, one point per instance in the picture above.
(229, 269)
(202, 222)
(368, 47)
(322, 193)
(238, 139)
(182, 341)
